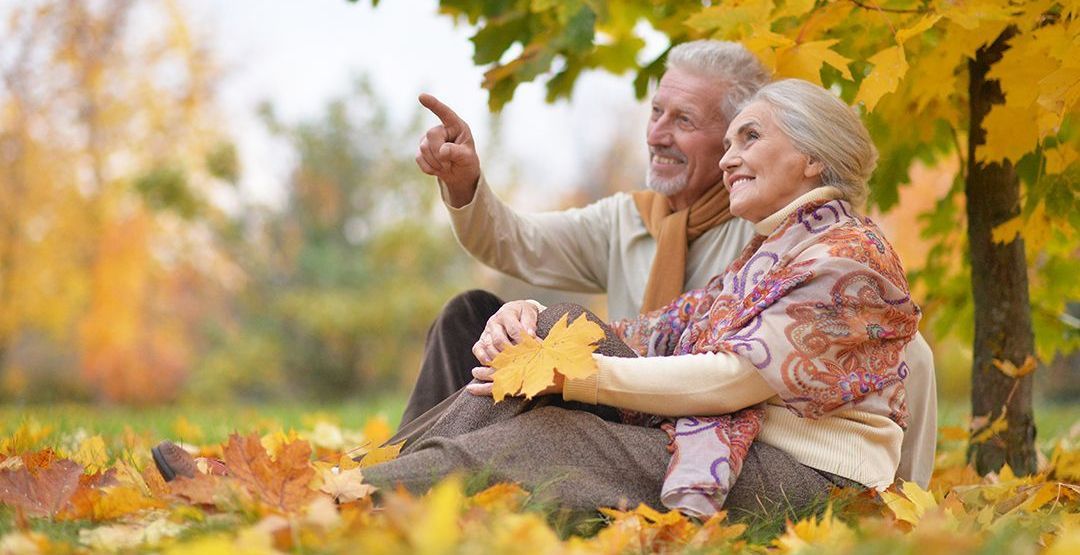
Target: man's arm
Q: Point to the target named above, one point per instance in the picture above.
(566, 249)
(562, 250)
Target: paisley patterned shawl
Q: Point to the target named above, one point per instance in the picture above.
(820, 307)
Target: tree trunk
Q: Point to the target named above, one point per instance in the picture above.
(1000, 288)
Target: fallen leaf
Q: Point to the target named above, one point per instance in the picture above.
(43, 493)
(281, 483)
(129, 536)
(11, 463)
(37, 460)
(715, 531)
(154, 482)
(322, 512)
(199, 490)
(91, 454)
(826, 535)
(529, 367)
(437, 529)
(502, 496)
(108, 503)
(345, 485)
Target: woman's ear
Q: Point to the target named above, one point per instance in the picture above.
(814, 167)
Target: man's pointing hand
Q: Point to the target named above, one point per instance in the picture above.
(448, 152)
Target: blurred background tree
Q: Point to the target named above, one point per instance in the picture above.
(342, 283)
(104, 136)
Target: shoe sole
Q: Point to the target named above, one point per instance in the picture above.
(163, 467)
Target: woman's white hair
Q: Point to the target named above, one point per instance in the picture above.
(728, 62)
(822, 127)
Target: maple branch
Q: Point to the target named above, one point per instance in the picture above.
(889, 10)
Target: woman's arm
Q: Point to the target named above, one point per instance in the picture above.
(685, 385)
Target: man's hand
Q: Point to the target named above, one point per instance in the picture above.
(448, 152)
(506, 327)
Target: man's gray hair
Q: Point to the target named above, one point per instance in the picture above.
(729, 62)
(822, 127)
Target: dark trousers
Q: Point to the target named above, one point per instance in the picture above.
(448, 359)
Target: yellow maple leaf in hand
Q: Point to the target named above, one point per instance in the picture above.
(529, 367)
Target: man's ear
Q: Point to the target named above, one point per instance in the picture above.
(814, 168)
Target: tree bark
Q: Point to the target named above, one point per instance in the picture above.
(1000, 288)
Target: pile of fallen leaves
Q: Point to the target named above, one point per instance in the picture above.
(303, 492)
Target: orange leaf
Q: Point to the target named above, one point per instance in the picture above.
(281, 483)
(529, 367)
(41, 493)
(39, 459)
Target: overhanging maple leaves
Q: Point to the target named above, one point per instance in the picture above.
(530, 366)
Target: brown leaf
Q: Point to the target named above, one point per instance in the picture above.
(42, 493)
(281, 483)
(199, 490)
(99, 479)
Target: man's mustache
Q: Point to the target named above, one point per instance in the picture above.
(669, 152)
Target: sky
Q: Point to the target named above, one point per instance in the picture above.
(300, 54)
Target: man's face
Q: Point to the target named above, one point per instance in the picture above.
(685, 137)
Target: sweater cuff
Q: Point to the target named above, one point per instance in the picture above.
(444, 194)
(583, 390)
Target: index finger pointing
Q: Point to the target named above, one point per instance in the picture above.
(445, 114)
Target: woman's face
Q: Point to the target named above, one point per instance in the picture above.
(762, 170)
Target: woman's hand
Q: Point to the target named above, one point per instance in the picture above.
(484, 375)
(506, 327)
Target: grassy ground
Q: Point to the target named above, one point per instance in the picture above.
(1052, 421)
(216, 421)
(128, 432)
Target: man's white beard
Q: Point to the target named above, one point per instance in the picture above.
(666, 186)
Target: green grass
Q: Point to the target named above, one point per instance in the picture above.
(215, 421)
(218, 421)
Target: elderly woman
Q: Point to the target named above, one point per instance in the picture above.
(780, 380)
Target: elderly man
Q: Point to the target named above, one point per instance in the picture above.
(642, 249)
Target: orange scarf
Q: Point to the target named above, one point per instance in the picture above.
(674, 231)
